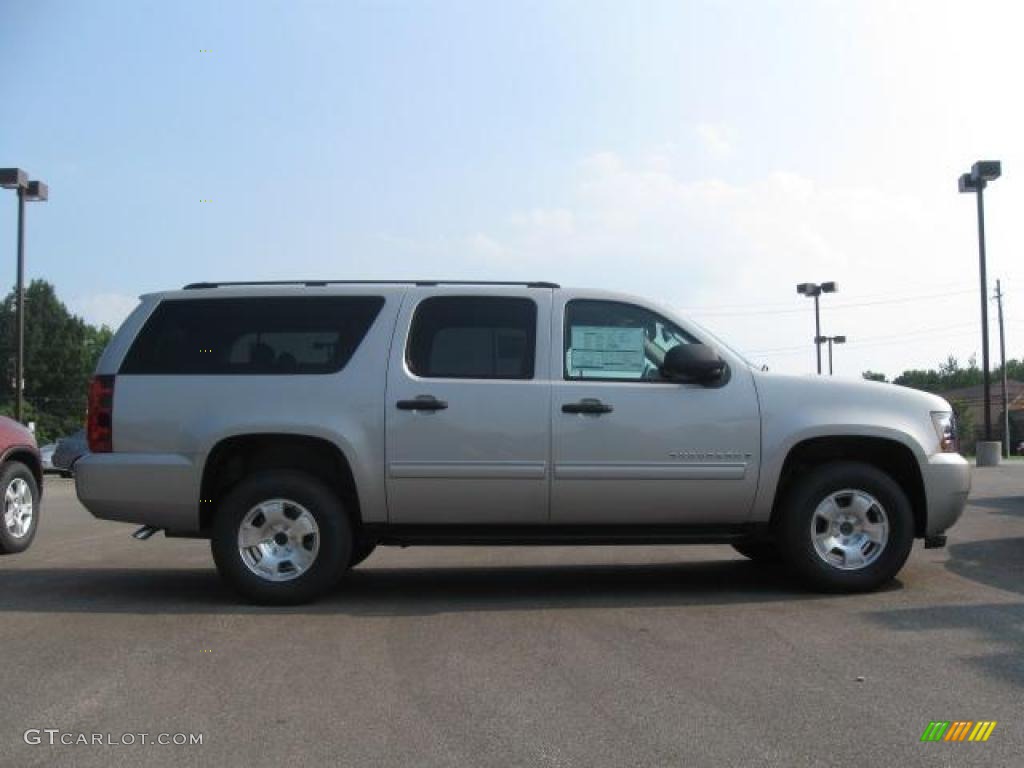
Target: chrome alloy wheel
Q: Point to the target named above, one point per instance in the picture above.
(849, 529)
(18, 510)
(278, 540)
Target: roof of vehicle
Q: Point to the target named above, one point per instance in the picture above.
(320, 283)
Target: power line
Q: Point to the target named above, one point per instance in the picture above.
(868, 341)
(832, 307)
(788, 304)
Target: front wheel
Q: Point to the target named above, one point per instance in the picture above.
(281, 538)
(759, 551)
(19, 494)
(846, 527)
(362, 550)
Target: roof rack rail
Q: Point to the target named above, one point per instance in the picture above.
(320, 283)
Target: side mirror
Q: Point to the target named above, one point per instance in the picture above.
(693, 362)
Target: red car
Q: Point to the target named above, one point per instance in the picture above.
(21, 484)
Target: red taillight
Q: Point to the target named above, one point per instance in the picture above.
(100, 423)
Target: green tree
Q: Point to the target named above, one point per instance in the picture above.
(874, 376)
(949, 375)
(61, 351)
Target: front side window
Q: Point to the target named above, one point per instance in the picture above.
(473, 337)
(614, 341)
(259, 335)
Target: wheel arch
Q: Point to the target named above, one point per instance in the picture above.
(27, 456)
(237, 456)
(891, 456)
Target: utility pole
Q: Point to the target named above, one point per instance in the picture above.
(1002, 362)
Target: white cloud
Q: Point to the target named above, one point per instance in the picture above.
(108, 309)
(728, 250)
(714, 137)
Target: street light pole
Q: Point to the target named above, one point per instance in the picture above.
(987, 376)
(814, 291)
(16, 178)
(19, 311)
(830, 340)
(981, 173)
(817, 332)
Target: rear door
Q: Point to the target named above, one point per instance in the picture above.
(468, 407)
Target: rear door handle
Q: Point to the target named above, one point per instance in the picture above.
(587, 405)
(422, 403)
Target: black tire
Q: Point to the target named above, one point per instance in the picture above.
(362, 550)
(759, 551)
(334, 545)
(9, 542)
(796, 541)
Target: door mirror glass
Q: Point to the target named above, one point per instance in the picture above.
(693, 362)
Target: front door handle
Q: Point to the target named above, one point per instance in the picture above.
(422, 403)
(587, 405)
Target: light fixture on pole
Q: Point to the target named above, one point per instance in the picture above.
(814, 290)
(831, 340)
(31, 191)
(981, 173)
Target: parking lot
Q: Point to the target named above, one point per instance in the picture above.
(513, 656)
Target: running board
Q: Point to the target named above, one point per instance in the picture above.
(555, 535)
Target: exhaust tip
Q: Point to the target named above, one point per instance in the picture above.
(145, 532)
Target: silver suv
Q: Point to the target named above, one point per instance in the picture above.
(300, 425)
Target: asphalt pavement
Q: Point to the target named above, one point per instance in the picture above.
(633, 656)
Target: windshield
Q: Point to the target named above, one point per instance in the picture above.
(719, 342)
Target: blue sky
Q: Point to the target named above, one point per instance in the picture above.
(707, 154)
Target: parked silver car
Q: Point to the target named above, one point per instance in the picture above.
(298, 426)
(46, 458)
(68, 451)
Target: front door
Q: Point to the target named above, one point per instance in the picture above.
(630, 447)
(468, 407)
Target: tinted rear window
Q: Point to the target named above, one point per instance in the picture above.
(266, 335)
(473, 337)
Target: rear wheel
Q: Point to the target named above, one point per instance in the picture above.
(281, 537)
(19, 494)
(846, 527)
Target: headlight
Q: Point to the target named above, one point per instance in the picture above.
(945, 428)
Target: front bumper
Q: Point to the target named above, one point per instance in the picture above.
(947, 481)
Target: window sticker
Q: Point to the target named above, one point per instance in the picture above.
(607, 349)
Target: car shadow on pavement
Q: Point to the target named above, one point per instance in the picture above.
(993, 562)
(408, 591)
(999, 623)
(1003, 505)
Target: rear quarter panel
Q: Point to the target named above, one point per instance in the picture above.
(166, 425)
